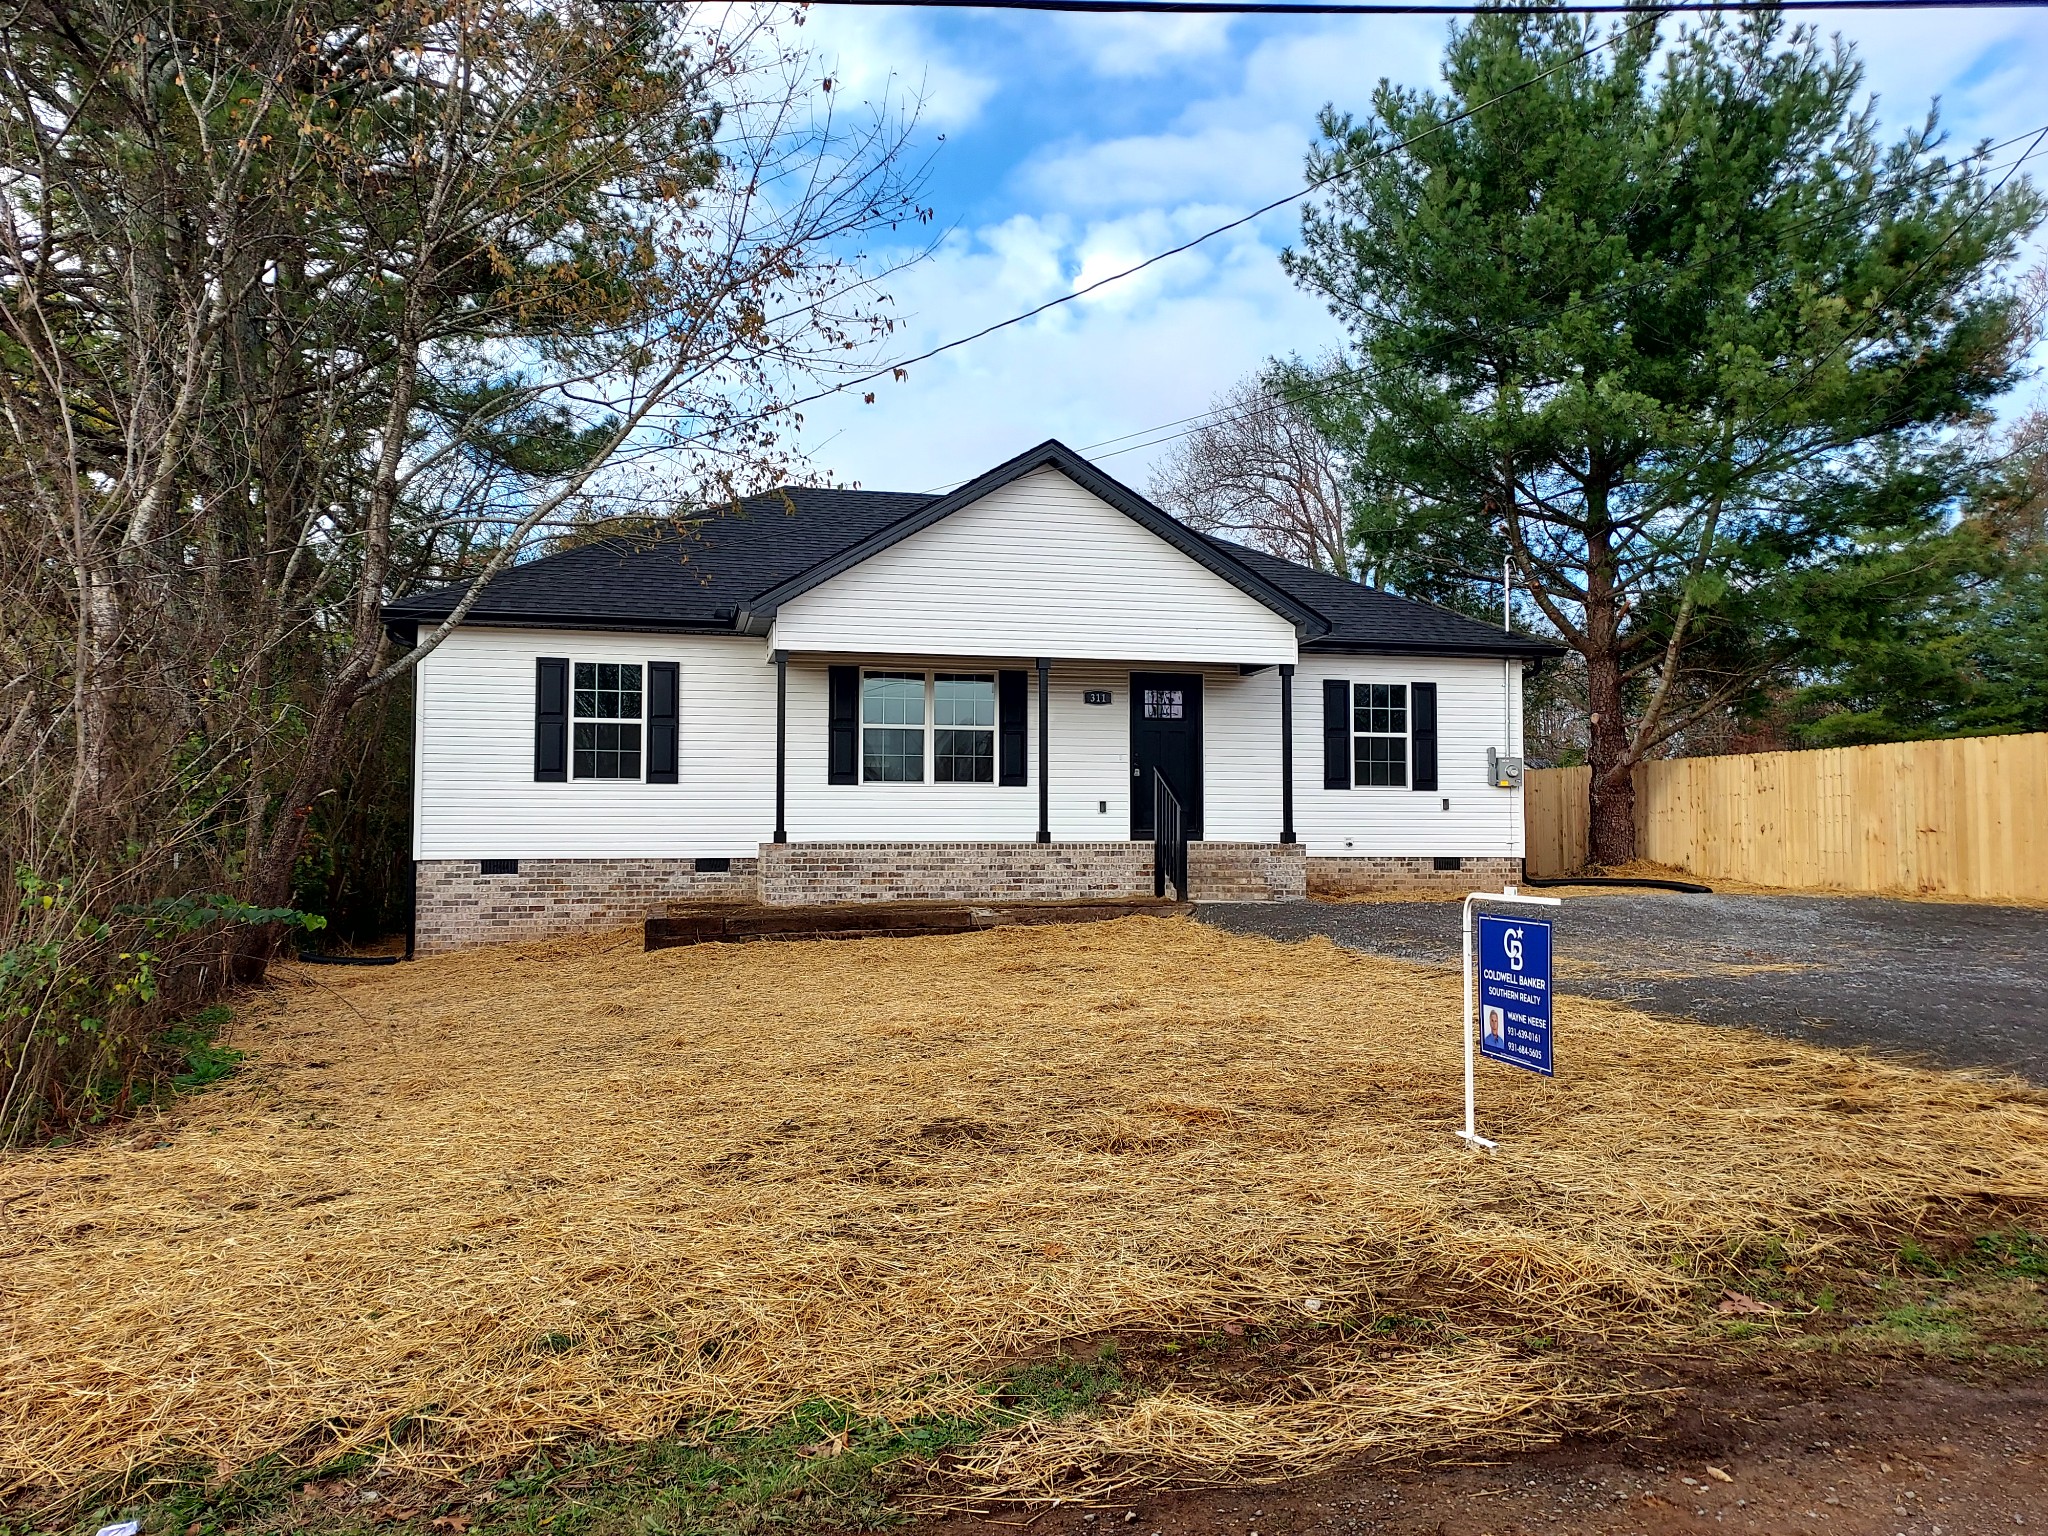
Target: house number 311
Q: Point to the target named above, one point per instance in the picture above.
(1095, 696)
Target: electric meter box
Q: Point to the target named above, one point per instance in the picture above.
(1502, 771)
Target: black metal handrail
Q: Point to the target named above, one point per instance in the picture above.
(1169, 840)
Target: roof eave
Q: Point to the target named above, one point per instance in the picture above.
(628, 623)
(1511, 649)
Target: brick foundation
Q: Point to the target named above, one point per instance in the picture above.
(1367, 876)
(1247, 871)
(806, 874)
(459, 905)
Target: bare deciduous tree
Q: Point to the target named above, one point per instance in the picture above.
(1258, 471)
(297, 298)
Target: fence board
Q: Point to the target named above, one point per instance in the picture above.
(1952, 818)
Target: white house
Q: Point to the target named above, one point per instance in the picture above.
(836, 695)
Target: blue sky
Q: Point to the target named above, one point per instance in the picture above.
(1065, 147)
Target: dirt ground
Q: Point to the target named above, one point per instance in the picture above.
(1948, 983)
(765, 1216)
(1920, 1456)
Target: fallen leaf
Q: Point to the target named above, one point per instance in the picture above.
(1718, 1475)
(1735, 1304)
(456, 1523)
(831, 1445)
(1235, 1330)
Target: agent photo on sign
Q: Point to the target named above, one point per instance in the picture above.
(1493, 1026)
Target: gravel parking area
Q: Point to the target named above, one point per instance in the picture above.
(1954, 984)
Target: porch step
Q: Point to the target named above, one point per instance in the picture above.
(733, 922)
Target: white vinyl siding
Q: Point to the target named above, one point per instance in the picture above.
(1478, 706)
(474, 792)
(1038, 567)
(475, 795)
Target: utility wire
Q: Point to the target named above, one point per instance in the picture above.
(1315, 184)
(1217, 415)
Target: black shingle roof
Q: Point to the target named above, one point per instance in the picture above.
(1366, 619)
(677, 579)
(712, 574)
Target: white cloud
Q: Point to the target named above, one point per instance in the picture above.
(878, 55)
(1248, 165)
(1984, 65)
(1213, 120)
(1136, 46)
(1083, 372)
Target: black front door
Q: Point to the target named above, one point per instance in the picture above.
(1166, 734)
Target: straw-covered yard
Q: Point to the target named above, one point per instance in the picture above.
(575, 1190)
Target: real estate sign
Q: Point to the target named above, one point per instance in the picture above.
(1514, 991)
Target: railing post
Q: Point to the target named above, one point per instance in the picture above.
(1158, 835)
(1169, 840)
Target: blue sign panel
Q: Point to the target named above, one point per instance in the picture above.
(1514, 991)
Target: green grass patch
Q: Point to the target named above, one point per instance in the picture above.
(823, 1466)
(196, 1043)
(1064, 1385)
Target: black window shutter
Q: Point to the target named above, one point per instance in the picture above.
(1013, 693)
(1336, 734)
(551, 720)
(842, 762)
(664, 723)
(1422, 735)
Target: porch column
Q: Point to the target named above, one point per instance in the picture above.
(1044, 750)
(781, 744)
(1286, 751)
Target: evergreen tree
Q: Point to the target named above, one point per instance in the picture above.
(1675, 328)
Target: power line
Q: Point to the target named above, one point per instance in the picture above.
(1315, 184)
(1218, 414)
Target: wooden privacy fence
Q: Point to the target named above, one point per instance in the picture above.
(1956, 818)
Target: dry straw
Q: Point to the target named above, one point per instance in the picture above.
(574, 1189)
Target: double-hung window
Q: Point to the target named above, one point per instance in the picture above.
(605, 725)
(896, 743)
(964, 723)
(1379, 726)
(892, 727)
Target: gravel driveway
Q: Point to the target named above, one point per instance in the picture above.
(1960, 985)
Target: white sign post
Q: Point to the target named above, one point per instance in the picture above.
(1510, 894)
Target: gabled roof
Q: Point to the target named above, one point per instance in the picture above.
(1218, 558)
(728, 573)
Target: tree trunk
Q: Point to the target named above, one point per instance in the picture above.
(1611, 816)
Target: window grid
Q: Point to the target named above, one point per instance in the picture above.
(1379, 719)
(892, 727)
(964, 728)
(605, 739)
(961, 736)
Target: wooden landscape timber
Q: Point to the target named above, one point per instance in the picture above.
(1956, 818)
(738, 922)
